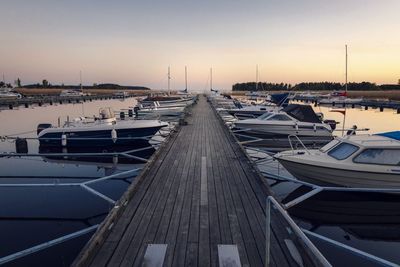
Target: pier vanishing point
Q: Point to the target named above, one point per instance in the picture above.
(198, 202)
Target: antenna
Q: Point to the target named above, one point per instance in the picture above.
(211, 79)
(186, 78)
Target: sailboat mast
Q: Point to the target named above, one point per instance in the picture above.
(345, 107)
(169, 78)
(80, 79)
(186, 78)
(256, 77)
(211, 78)
(346, 70)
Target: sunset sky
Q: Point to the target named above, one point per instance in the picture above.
(133, 42)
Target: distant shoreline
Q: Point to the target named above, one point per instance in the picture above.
(387, 94)
(57, 91)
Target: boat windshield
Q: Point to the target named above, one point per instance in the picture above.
(329, 145)
(274, 117)
(343, 151)
(264, 116)
(379, 156)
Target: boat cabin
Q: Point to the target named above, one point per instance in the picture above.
(365, 149)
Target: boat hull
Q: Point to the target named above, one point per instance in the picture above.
(137, 137)
(276, 138)
(332, 176)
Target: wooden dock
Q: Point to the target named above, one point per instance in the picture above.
(200, 191)
(50, 100)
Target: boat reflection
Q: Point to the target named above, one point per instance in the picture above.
(108, 158)
(366, 216)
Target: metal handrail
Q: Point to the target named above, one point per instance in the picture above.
(298, 139)
(296, 229)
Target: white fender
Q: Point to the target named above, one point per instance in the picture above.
(114, 135)
(63, 140)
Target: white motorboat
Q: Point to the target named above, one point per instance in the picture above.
(340, 100)
(66, 93)
(273, 130)
(352, 161)
(121, 94)
(253, 111)
(158, 110)
(277, 102)
(102, 131)
(7, 93)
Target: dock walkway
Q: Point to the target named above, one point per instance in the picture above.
(200, 192)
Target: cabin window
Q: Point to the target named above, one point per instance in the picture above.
(343, 151)
(279, 117)
(379, 156)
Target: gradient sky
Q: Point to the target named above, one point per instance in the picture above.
(133, 42)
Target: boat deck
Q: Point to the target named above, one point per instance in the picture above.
(200, 191)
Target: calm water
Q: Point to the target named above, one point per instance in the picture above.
(367, 221)
(31, 215)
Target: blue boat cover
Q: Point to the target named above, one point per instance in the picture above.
(394, 135)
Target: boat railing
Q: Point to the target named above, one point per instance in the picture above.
(298, 139)
(316, 256)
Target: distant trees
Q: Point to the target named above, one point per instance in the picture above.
(45, 83)
(312, 86)
(18, 82)
(108, 86)
(261, 86)
(6, 85)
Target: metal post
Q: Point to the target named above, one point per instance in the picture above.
(186, 78)
(267, 231)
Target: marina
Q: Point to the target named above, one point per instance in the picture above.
(197, 193)
(200, 133)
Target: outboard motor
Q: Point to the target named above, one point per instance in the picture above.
(331, 123)
(43, 126)
(136, 109)
(237, 104)
(21, 145)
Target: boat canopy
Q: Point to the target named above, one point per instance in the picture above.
(280, 99)
(394, 135)
(303, 113)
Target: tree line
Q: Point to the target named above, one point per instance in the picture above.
(46, 84)
(313, 86)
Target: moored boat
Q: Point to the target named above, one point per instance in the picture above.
(273, 130)
(104, 130)
(371, 161)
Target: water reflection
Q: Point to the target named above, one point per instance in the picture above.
(367, 221)
(30, 213)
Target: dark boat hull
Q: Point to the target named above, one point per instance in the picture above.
(137, 137)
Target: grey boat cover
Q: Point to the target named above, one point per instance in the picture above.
(303, 113)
